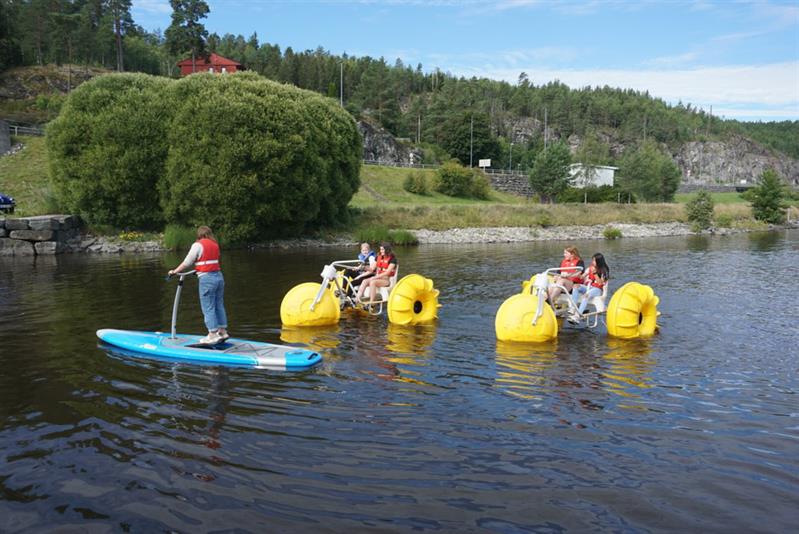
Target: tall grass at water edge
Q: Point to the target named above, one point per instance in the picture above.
(179, 237)
(495, 215)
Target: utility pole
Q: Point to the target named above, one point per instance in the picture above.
(709, 121)
(471, 140)
(546, 133)
(644, 128)
(341, 84)
(510, 159)
(418, 129)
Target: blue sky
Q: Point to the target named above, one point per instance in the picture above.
(740, 57)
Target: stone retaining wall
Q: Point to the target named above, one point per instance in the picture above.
(42, 235)
(511, 183)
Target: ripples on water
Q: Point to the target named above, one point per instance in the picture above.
(436, 427)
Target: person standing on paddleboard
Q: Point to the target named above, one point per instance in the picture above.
(204, 255)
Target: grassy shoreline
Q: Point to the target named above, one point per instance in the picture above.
(381, 202)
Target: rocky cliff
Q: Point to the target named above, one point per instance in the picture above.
(380, 146)
(733, 162)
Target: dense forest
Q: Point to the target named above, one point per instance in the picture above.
(431, 108)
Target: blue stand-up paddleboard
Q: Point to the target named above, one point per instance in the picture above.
(187, 347)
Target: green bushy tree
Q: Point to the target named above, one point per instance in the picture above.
(649, 174)
(455, 180)
(249, 157)
(107, 150)
(416, 183)
(468, 134)
(550, 175)
(270, 159)
(767, 198)
(700, 209)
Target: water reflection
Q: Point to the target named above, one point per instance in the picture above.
(764, 241)
(698, 243)
(314, 338)
(410, 339)
(522, 369)
(630, 366)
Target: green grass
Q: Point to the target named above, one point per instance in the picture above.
(731, 197)
(382, 203)
(382, 186)
(24, 176)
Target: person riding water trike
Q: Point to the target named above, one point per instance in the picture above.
(384, 269)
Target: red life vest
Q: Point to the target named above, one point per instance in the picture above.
(209, 259)
(576, 278)
(383, 262)
(595, 280)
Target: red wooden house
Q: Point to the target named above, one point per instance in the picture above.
(213, 63)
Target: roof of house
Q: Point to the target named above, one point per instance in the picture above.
(215, 59)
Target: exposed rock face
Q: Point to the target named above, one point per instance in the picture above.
(380, 146)
(29, 82)
(737, 161)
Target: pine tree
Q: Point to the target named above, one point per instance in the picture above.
(186, 33)
(767, 205)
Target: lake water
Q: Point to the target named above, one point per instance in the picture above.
(435, 428)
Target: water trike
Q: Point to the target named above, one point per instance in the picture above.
(528, 317)
(239, 352)
(411, 300)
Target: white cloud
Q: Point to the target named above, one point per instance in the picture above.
(672, 61)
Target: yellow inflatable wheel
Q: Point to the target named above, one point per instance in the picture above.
(295, 310)
(633, 311)
(413, 301)
(514, 320)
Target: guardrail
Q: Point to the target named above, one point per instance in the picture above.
(19, 129)
(436, 166)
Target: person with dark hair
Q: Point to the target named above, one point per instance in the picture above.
(204, 255)
(569, 275)
(384, 269)
(592, 283)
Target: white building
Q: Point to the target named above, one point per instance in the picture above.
(591, 176)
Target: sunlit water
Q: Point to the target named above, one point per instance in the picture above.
(434, 428)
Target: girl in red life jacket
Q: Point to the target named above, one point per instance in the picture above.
(569, 275)
(593, 281)
(384, 269)
(204, 255)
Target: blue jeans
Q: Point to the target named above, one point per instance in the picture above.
(590, 292)
(212, 300)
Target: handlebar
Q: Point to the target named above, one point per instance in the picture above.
(181, 275)
(558, 270)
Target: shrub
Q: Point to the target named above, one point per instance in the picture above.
(724, 220)
(767, 199)
(593, 194)
(416, 183)
(699, 210)
(611, 232)
(543, 219)
(179, 237)
(378, 234)
(107, 150)
(481, 186)
(271, 160)
(249, 157)
(455, 180)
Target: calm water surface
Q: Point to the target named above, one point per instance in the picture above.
(436, 428)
